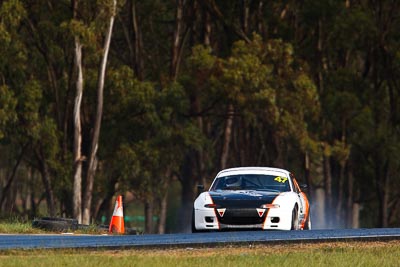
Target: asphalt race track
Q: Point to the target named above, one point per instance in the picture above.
(193, 240)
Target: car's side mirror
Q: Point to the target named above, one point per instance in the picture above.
(304, 187)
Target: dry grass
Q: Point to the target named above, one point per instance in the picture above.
(304, 254)
(321, 254)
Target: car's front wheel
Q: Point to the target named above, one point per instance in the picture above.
(295, 219)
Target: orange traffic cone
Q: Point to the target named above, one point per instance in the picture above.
(117, 221)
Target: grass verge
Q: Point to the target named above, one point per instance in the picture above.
(325, 254)
(17, 226)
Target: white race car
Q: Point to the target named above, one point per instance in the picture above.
(252, 198)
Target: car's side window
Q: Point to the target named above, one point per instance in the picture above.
(296, 187)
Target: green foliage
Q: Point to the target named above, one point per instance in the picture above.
(48, 138)
(129, 110)
(29, 105)
(201, 58)
(172, 100)
(316, 77)
(150, 131)
(11, 13)
(12, 51)
(341, 152)
(83, 32)
(247, 80)
(7, 109)
(263, 78)
(352, 29)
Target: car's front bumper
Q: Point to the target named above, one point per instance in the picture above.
(274, 219)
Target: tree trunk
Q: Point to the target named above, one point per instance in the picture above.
(214, 11)
(137, 41)
(385, 197)
(134, 39)
(227, 137)
(319, 209)
(148, 216)
(162, 220)
(355, 215)
(350, 197)
(278, 162)
(92, 164)
(68, 108)
(340, 191)
(245, 16)
(259, 18)
(340, 195)
(328, 190)
(320, 58)
(77, 190)
(53, 82)
(381, 174)
(104, 208)
(188, 180)
(10, 179)
(185, 212)
(176, 40)
(207, 28)
(307, 171)
(32, 197)
(44, 171)
(26, 194)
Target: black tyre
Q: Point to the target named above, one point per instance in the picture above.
(295, 219)
(57, 219)
(55, 224)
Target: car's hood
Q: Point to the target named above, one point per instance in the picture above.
(242, 198)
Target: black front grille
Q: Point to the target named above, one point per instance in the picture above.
(239, 203)
(241, 217)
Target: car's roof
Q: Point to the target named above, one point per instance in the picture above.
(253, 170)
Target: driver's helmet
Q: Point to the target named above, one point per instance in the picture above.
(234, 181)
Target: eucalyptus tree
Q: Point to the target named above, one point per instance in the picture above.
(77, 148)
(35, 130)
(92, 158)
(275, 102)
(106, 11)
(349, 46)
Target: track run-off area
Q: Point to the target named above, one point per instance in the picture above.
(62, 241)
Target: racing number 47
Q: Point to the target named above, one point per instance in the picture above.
(280, 179)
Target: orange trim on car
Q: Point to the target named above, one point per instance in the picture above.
(215, 211)
(266, 215)
(307, 210)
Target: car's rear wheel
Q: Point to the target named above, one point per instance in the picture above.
(295, 219)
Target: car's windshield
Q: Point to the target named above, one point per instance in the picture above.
(252, 182)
